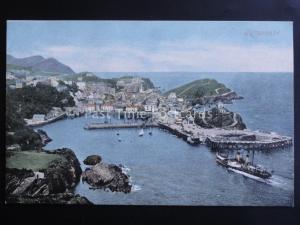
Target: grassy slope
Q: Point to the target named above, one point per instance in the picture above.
(10, 67)
(30, 160)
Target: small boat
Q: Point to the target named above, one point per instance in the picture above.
(118, 133)
(150, 132)
(141, 133)
(243, 166)
(119, 140)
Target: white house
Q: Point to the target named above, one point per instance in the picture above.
(107, 108)
(131, 109)
(172, 96)
(173, 113)
(19, 84)
(81, 85)
(53, 81)
(180, 100)
(38, 117)
(69, 82)
(150, 108)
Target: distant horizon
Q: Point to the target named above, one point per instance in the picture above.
(190, 46)
(161, 71)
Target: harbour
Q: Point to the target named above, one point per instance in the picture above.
(188, 169)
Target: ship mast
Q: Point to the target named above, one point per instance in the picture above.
(252, 156)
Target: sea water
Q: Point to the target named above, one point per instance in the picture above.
(165, 170)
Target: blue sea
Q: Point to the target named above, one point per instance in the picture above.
(165, 170)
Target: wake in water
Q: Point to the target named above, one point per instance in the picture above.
(280, 182)
(135, 188)
(275, 180)
(124, 169)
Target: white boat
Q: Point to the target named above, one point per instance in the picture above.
(141, 133)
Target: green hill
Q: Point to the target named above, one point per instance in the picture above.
(199, 88)
(90, 77)
(22, 70)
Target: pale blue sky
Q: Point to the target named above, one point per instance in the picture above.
(102, 46)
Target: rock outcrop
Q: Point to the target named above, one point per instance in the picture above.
(221, 118)
(44, 137)
(92, 160)
(61, 198)
(109, 176)
(51, 185)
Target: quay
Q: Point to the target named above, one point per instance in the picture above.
(258, 145)
(185, 135)
(31, 123)
(214, 138)
(218, 138)
(121, 125)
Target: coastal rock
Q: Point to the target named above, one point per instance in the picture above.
(63, 174)
(92, 160)
(44, 137)
(221, 118)
(109, 176)
(14, 179)
(53, 184)
(61, 198)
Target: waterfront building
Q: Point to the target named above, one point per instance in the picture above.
(90, 107)
(38, 117)
(107, 107)
(131, 109)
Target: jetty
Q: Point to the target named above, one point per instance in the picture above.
(32, 123)
(120, 125)
(220, 138)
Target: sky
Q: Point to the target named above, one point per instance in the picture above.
(157, 46)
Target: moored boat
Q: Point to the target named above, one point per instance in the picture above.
(141, 133)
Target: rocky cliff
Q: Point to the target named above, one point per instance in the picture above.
(53, 184)
(221, 118)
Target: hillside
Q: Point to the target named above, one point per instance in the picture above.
(199, 89)
(90, 77)
(38, 63)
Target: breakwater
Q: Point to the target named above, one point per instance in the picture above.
(123, 125)
(216, 144)
(217, 138)
(31, 123)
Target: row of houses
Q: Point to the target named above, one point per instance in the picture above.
(111, 107)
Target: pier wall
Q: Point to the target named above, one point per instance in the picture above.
(181, 134)
(258, 145)
(113, 126)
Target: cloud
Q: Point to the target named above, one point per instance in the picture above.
(189, 56)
